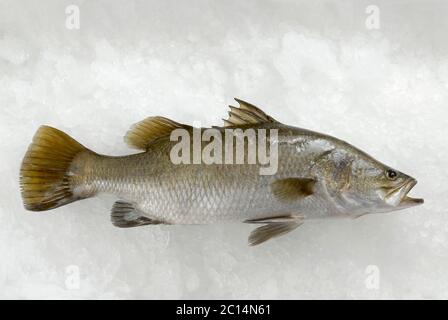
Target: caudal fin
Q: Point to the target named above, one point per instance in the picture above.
(46, 180)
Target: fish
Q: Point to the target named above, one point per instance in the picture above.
(317, 176)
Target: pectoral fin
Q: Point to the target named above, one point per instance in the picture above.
(291, 189)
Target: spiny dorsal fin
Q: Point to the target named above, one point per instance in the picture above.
(245, 114)
(143, 133)
(125, 215)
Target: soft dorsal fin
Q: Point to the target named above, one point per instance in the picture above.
(143, 133)
(245, 114)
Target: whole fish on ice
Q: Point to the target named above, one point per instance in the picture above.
(318, 176)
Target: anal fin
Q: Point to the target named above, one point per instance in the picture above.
(125, 215)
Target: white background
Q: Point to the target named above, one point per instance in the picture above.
(312, 64)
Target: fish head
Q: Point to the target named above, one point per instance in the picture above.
(360, 184)
(393, 188)
(377, 187)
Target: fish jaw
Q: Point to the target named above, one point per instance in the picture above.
(398, 197)
(408, 201)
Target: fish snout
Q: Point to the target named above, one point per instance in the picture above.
(406, 200)
(397, 196)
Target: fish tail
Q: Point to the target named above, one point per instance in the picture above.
(49, 175)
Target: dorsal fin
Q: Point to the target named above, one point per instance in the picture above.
(245, 114)
(143, 133)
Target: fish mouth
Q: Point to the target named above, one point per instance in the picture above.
(399, 197)
(407, 200)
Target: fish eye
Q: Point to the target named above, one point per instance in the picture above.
(391, 174)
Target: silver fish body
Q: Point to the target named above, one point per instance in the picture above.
(318, 176)
(203, 194)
